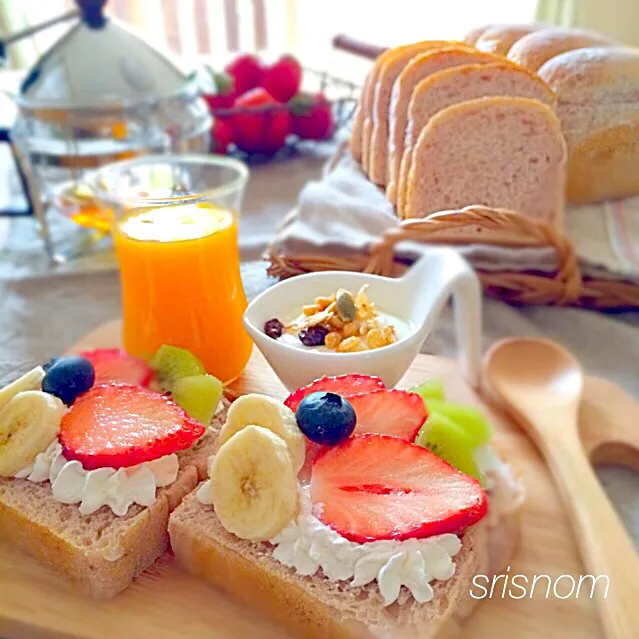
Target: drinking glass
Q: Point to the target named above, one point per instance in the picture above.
(174, 220)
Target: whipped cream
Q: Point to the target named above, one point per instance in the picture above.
(402, 330)
(116, 488)
(308, 545)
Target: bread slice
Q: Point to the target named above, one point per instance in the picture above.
(100, 553)
(500, 38)
(597, 92)
(503, 152)
(315, 608)
(419, 68)
(536, 48)
(459, 84)
(390, 68)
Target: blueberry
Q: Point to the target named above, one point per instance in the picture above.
(69, 377)
(314, 335)
(49, 364)
(326, 418)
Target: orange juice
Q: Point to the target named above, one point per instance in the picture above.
(181, 284)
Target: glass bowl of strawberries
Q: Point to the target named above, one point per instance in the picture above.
(262, 111)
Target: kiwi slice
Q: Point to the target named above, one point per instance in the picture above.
(477, 427)
(171, 363)
(198, 395)
(430, 389)
(449, 441)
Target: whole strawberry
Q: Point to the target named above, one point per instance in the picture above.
(224, 94)
(261, 124)
(221, 135)
(283, 78)
(246, 71)
(312, 117)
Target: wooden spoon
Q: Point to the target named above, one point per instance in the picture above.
(540, 384)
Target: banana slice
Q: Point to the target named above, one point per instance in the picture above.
(261, 410)
(28, 424)
(255, 487)
(29, 381)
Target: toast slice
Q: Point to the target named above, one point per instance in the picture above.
(100, 553)
(316, 608)
(459, 84)
(419, 68)
(375, 125)
(503, 152)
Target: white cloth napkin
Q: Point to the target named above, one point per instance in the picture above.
(346, 212)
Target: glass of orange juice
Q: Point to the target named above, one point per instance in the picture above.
(175, 229)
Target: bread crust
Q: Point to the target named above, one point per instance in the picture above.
(500, 38)
(301, 604)
(535, 49)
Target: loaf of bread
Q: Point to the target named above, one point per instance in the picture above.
(363, 122)
(499, 38)
(317, 608)
(379, 130)
(456, 85)
(504, 152)
(598, 104)
(419, 68)
(100, 553)
(536, 48)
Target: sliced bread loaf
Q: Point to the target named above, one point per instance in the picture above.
(536, 48)
(597, 92)
(392, 66)
(420, 67)
(459, 84)
(316, 608)
(100, 553)
(500, 38)
(503, 152)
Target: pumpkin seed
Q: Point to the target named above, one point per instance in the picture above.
(345, 306)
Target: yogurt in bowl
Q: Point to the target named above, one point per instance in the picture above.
(410, 303)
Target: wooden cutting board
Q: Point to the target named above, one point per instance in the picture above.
(167, 603)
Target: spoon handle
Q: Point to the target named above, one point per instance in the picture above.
(606, 548)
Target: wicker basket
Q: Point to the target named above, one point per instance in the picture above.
(498, 227)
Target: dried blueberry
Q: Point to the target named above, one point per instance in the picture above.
(314, 335)
(273, 328)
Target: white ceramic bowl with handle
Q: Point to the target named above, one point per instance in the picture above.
(417, 297)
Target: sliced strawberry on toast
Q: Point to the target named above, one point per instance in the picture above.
(344, 385)
(389, 412)
(118, 426)
(374, 487)
(113, 365)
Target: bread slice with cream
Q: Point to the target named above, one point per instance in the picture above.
(100, 553)
(377, 138)
(500, 38)
(420, 67)
(597, 92)
(535, 49)
(456, 85)
(505, 152)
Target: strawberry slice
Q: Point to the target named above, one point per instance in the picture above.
(120, 425)
(114, 365)
(374, 487)
(389, 412)
(344, 385)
